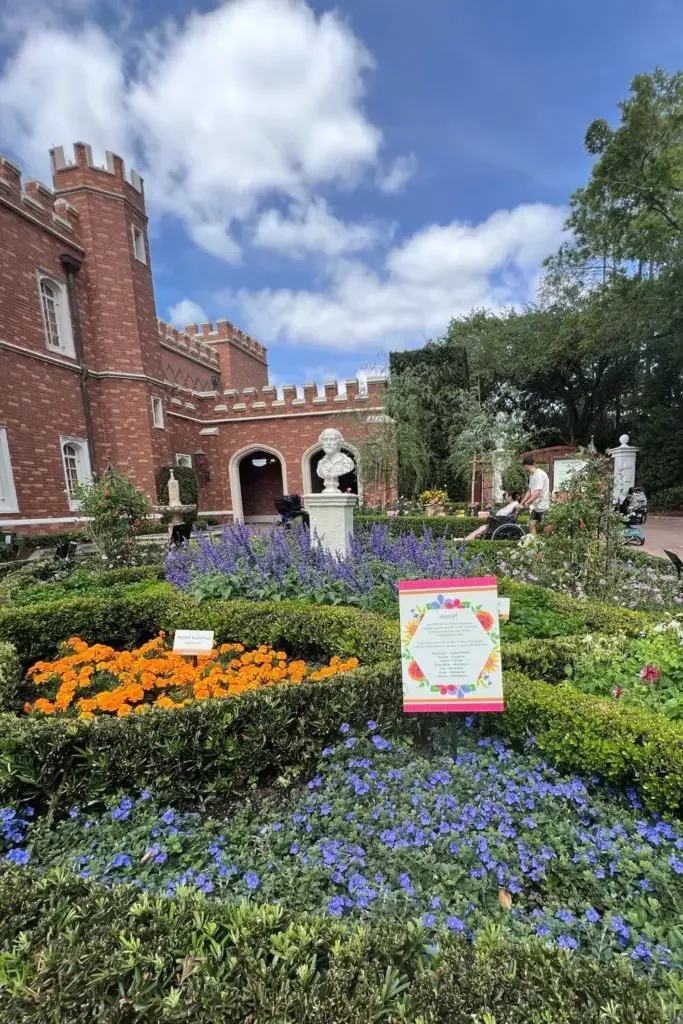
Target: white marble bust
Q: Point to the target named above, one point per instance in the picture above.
(335, 462)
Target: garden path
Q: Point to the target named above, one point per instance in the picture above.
(663, 532)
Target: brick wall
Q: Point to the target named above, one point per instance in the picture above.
(129, 357)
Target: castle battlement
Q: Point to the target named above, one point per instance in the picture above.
(270, 400)
(37, 200)
(83, 172)
(187, 344)
(224, 331)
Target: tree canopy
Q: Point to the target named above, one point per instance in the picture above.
(601, 351)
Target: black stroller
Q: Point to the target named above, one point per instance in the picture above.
(290, 508)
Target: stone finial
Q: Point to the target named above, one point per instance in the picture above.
(335, 462)
(624, 440)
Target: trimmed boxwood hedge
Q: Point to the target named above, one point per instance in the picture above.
(220, 747)
(440, 526)
(74, 951)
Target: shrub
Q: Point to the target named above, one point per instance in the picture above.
(10, 677)
(189, 489)
(131, 957)
(668, 500)
(576, 731)
(216, 748)
(439, 526)
(82, 581)
(116, 511)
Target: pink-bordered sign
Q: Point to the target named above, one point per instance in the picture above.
(450, 645)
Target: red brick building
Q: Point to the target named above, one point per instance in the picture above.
(90, 377)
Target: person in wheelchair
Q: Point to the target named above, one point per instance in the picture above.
(505, 515)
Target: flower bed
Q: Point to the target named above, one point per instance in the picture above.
(495, 839)
(283, 564)
(94, 680)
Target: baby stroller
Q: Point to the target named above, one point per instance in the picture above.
(634, 508)
(504, 528)
(290, 509)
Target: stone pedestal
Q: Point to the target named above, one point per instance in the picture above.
(624, 460)
(331, 516)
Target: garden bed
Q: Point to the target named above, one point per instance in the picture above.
(398, 841)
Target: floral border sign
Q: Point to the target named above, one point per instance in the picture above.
(450, 645)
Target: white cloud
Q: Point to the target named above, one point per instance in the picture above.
(63, 87)
(438, 273)
(312, 228)
(398, 175)
(187, 311)
(224, 111)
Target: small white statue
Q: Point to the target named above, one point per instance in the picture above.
(173, 491)
(335, 462)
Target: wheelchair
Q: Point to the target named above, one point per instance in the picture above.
(504, 528)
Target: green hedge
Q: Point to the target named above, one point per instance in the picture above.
(579, 732)
(310, 630)
(670, 499)
(216, 748)
(10, 677)
(74, 951)
(440, 526)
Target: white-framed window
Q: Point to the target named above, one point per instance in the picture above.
(76, 462)
(183, 460)
(158, 413)
(8, 494)
(54, 305)
(139, 245)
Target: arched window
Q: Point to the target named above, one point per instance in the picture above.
(54, 302)
(76, 467)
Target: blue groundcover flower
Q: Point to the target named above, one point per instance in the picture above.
(412, 836)
(21, 857)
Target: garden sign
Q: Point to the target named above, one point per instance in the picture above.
(450, 645)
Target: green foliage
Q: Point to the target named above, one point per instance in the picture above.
(646, 670)
(189, 489)
(585, 541)
(670, 499)
(126, 957)
(10, 677)
(117, 511)
(441, 526)
(420, 398)
(83, 581)
(631, 210)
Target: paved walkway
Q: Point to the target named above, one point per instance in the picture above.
(663, 532)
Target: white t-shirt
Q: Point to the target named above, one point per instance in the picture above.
(508, 509)
(539, 481)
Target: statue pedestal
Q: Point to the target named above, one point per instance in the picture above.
(331, 516)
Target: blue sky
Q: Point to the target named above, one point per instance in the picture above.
(336, 181)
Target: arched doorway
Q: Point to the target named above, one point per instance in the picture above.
(313, 484)
(257, 477)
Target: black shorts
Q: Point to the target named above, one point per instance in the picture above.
(537, 517)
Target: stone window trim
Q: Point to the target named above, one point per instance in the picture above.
(183, 459)
(76, 466)
(158, 412)
(53, 296)
(8, 494)
(139, 246)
